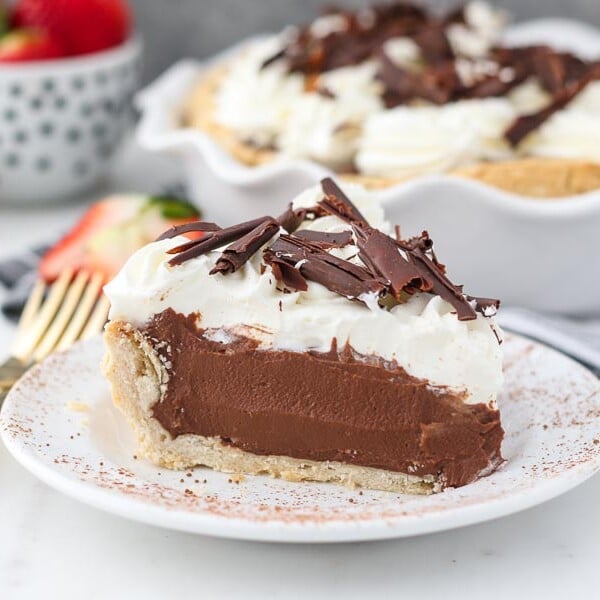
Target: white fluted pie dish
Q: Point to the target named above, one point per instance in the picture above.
(542, 254)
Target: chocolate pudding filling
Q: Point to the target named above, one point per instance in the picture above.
(334, 406)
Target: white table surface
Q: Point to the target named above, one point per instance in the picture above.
(53, 547)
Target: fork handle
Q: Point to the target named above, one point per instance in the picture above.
(10, 371)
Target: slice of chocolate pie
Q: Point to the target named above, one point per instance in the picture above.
(313, 346)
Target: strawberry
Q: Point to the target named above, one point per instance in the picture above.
(29, 44)
(83, 26)
(111, 230)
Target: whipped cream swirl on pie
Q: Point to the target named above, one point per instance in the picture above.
(397, 91)
(407, 142)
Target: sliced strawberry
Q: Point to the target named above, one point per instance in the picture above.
(111, 230)
(83, 26)
(29, 44)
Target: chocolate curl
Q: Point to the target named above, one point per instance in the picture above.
(437, 84)
(338, 204)
(416, 272)
(422, 241)
(325, 240)
(524, 125)
(337, 275)
(288, 274)
(434, 279)
(325, 92)
(381, 255)
(291, 219)
(212, 241)
(434, 44)
(493, 86)
(551, 70)
(362, 34)
(455, 15)
(440, 285)
(400, 84)
(200, 226)
(485, 306)
(554, 70)
(274, 58)
(237, 254)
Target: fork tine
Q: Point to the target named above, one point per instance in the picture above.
(79, 319)
(62, 317)
(97, 320)
(32, 306)
(26, 343)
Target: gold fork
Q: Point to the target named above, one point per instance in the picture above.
(72, 308)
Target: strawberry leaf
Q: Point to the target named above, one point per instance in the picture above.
(174, 208)
(4, 25)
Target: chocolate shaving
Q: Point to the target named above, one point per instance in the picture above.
(290, 219)
(554, 70)
(238, 253)
(272, 59)
(526, 124)
(325, 92)
(494, 86)
(415, 271)
(551, 70)
(365, 31)
(338, 204)
(381, 255)
(326, 240)
(212, 241)
(288, 274)
(486, 306)
(363, 34)
(436, 282)
(313, 263)
(456, 16)
(437, 84)
(200, 226)
(434, 44)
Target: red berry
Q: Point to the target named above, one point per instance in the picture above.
(29, 44)
(83, 26)
(111, 230)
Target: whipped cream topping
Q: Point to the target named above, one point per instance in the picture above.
(422, 335)
(403, 51)
(482, 29)
(327, 24)
(338, 117)
(410, 141)
(325, 128)
(529, 97)
(256, 102)
(405, 142)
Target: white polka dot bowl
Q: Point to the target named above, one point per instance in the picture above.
(61, 122)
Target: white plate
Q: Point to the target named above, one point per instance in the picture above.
(550, 410)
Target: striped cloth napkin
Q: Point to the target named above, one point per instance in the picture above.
(17, 276)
